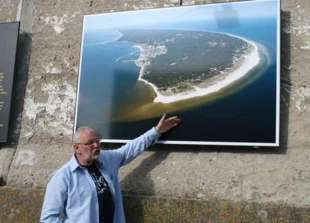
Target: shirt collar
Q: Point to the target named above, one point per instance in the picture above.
(73, 163)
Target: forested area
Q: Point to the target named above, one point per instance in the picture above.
(192, 56)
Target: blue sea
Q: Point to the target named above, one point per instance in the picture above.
(243, 112)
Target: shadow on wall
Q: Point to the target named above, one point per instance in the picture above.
(138, 183)
(285, 84)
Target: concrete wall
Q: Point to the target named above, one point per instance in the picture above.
(183, 183)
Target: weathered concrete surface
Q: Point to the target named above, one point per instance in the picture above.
(24, 206)
(10, 10)
(20, 206)
(195, 175)
(226, 175)
(159, 210)
(295, 78)
(23, 13)
(6, 156)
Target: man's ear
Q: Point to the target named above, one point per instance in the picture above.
(76, 147)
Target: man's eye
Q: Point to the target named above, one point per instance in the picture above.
(88, 143)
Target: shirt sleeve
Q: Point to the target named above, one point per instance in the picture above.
(55, 199)
(136, 146)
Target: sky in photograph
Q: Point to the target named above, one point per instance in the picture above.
(132, 19)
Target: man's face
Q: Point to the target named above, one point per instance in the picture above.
(88, 149)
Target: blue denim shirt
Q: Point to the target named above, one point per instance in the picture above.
(72, 192)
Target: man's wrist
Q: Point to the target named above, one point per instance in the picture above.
(157, 129)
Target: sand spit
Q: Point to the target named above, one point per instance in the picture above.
(241, 68)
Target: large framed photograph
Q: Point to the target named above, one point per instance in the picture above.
(216, 66)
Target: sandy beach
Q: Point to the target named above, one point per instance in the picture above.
(248, 62)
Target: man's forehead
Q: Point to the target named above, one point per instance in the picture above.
(88, 135)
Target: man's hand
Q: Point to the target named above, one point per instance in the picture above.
(166, 124)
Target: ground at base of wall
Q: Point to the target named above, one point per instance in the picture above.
(151, 210)
(17, 205)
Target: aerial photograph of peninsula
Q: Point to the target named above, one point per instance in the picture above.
(216, 66)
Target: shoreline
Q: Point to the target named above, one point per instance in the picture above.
(108, 41)
(249, 61)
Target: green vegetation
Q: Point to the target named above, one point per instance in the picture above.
(192, 57)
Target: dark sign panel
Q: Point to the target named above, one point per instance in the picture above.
(8, 44)
(215, 66)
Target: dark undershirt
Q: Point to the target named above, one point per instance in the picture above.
(106, 205)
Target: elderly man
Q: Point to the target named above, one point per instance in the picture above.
(87, 189)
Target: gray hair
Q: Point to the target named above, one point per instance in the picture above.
(78, 132)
